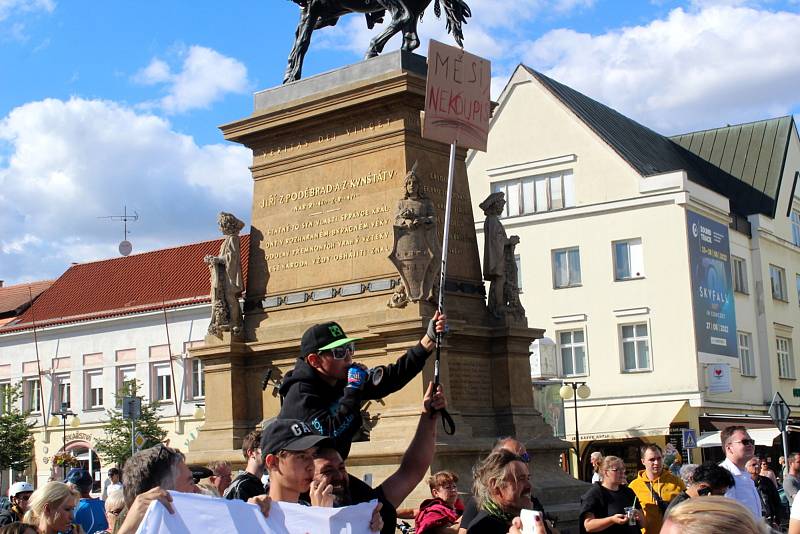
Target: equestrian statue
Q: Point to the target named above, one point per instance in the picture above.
(405, 14)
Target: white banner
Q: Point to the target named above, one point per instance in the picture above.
(211, 515)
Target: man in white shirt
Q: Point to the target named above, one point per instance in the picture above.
(739, 448)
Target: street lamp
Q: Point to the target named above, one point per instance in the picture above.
(65, 412)
(573, 390)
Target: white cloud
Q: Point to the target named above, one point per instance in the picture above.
(693, 69)
(69, 162)
(156, 72)
(10, 7)
(206, 76)
(16, 246)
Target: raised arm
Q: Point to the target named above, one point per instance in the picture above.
(419, 454)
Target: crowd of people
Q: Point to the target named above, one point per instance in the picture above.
(301, 457)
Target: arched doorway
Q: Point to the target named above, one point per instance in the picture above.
(87, 459)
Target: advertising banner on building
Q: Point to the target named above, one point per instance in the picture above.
(712, 286)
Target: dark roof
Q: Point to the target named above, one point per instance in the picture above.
(754, 152)
(166, 278)
(651, 153)
(15, 299)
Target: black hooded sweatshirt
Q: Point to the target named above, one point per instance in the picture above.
(335, 411)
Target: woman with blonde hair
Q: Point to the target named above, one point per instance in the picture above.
(51, 507)
(610, 506)
(711, 515)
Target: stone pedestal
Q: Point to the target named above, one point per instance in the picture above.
(329, 156)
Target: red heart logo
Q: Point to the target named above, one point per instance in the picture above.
(717, 372)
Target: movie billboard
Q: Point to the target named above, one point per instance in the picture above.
(712, 286)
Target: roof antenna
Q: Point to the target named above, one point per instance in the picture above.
(125, 246)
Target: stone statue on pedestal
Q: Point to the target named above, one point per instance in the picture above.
(226, 279)
(416, 253)
(499, 263)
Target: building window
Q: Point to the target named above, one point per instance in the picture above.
(32, 398)
(198, 379)
(777, 278)
(747, 365)
(5, 399)
(162, 382)
(797, 283)
(125, 375)
(93, 382)
(635, 347)
(518, 261)
(739, 275)
(566, 267)
(62, 395)
(785, 358)
(537, 194)
(628, 259)
(572, 346)
(796, 227)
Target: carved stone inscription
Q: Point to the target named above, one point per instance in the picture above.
(326, 225)
(468, 384)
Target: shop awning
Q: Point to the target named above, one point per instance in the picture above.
(621, 421)
(763, 436)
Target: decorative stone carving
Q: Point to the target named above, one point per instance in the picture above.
(416, 252)
(499, 264)
(226, 279)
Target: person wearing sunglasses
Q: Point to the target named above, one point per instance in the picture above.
(19, 493)
(707, 479)
(739, 448)
(326, 387)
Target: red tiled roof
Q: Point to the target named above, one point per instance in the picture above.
(149, 281)
(18, 295)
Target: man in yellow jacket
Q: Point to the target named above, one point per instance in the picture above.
(655, 487)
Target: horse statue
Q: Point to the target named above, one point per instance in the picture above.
(405, 14)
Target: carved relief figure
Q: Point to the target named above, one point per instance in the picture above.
(499, 264)
(416, 252)
(226, 279)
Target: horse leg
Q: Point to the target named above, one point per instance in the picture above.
(410, 36)
(308, 19)
(400, 18)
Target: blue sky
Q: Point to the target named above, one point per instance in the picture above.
(105, 104)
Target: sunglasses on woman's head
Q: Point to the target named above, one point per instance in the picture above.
(342, 352)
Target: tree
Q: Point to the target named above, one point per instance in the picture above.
(116, 446)
(16, 438)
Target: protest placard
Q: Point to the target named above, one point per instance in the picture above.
(457, 105)
(212, 515)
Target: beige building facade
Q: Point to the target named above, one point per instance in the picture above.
(606, 210)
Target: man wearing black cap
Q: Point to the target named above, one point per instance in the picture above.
(325, 389)
(288, 446)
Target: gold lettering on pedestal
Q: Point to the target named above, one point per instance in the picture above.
(331, 229)
(323, 138)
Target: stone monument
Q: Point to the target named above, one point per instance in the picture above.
(329, 156)
(227, 282)
(499, 263)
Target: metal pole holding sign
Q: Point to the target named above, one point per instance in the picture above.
(457, 109)
(445, 244)
(779, 411)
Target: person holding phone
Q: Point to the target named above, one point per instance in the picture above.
(610, 506)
